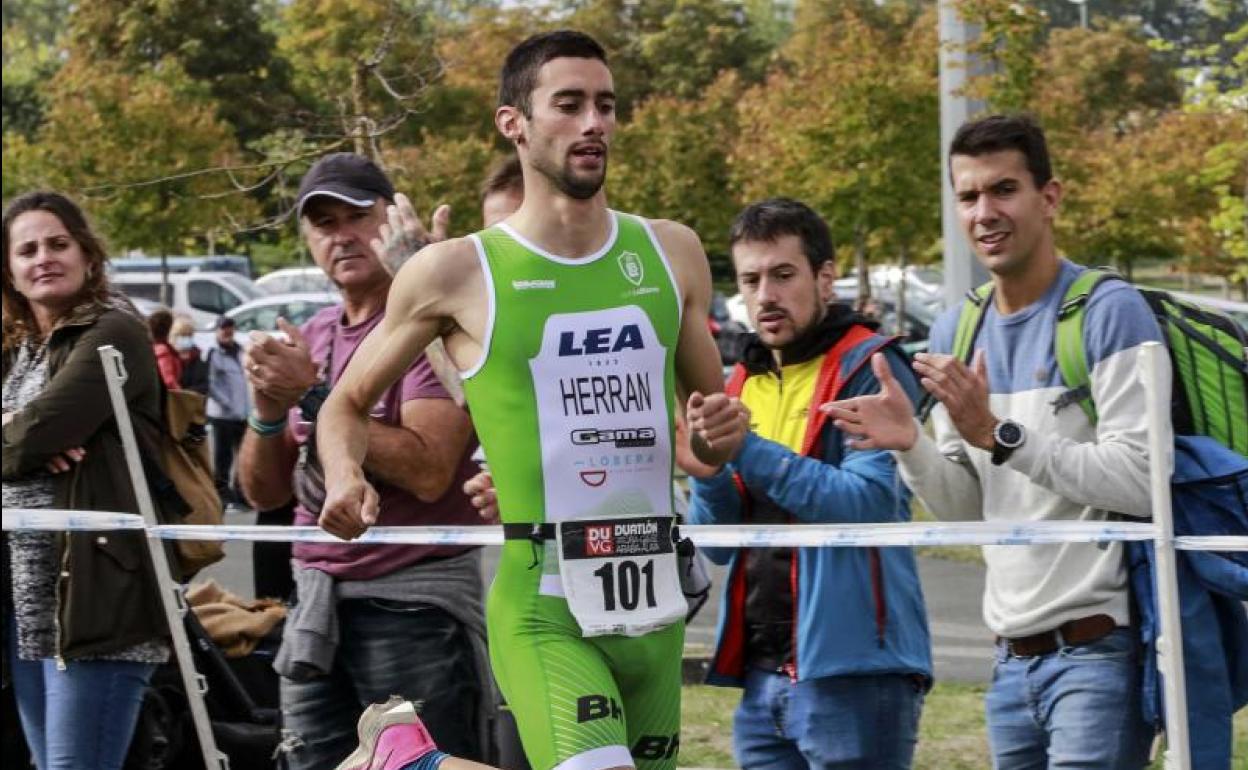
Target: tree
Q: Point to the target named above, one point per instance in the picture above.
(134, 149)
(221, 44)
(30, 59)
(847, 122)
(366, 68)
(441, 170)
(671, 162)
(671, 47)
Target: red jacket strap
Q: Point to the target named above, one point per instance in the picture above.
(736, 381)
(831, 379)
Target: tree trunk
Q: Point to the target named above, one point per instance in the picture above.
(860, 266)
(358, 75)
(902, 326)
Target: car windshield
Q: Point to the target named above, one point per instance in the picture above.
(243, 285)
(264, 317)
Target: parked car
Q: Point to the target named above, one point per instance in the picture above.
(295, 279)
(202, 296)
(261, 314)
(730, 334)
(207, 263)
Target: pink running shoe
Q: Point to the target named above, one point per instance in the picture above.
(391, 736)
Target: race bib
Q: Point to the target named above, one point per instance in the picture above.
(619, 575)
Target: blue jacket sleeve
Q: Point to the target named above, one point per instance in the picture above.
(715, 500)
(846, 485)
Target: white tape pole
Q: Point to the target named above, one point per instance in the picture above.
(1152, 364)
(171, 596)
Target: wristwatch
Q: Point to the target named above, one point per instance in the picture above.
(310, 404)
(1006, 437)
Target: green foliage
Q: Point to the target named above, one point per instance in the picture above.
(221, 44)
(671, 162)
(30, 59)
(846, 122)
(184, 120)
(133, 148)
(444, 170)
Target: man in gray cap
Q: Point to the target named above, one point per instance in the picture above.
(370, 621)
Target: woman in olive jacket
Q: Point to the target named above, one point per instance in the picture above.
(83, 622)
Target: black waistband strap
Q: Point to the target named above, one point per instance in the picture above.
(535, 531)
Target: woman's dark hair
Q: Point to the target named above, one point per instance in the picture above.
(18, 319)
(519, 75)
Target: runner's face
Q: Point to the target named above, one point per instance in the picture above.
(338, 236)
(783, 296)
(571, 126)
(1006, 218)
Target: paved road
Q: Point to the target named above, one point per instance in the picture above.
(961, 645)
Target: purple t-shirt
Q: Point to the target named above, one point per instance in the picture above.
(398, 507)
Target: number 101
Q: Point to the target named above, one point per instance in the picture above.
(627, 578)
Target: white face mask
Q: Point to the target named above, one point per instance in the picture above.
(183, 343)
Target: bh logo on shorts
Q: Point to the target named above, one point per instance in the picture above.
(599, 540)
(631, 267)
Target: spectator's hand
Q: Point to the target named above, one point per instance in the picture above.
(64, 462)
(279, 372)
(964, 392)
(350, 508)
(403, 234)
(480, 491)
(8, 417)
(883, 420)
(717, 427)
(686, 460)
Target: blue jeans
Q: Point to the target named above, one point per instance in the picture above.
(844, 722)
(81, 718)
(386, 648)
(1078, 707)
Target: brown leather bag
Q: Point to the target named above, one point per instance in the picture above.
(188, 464)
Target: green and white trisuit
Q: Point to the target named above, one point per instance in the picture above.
(573, 402)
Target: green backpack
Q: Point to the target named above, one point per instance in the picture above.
(1208, 355)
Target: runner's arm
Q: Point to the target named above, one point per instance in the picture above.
(699, 372)
(413, 319)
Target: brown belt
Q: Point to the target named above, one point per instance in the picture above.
(1077, 631)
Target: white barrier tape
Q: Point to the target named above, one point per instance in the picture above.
(1211, 543)
(57, 519)
(722, 536)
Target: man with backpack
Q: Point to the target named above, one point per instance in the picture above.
(868, 671)
(1066, 688)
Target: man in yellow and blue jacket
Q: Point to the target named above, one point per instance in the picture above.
(831, 645)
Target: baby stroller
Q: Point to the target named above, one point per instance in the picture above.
(242, 704)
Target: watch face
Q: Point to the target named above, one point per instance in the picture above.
(1009, 434)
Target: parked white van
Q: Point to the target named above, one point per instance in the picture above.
(202, 296)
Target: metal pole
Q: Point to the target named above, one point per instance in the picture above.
(962, 270)
(1152, 363)
(171, 595)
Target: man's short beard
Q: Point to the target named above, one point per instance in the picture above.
(571, 186)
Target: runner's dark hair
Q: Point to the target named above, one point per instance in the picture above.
(519, 75)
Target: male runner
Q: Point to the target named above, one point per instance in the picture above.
(572, 325)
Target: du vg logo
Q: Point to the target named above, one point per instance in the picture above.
(599, 540)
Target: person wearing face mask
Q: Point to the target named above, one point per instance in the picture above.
(194, 367)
